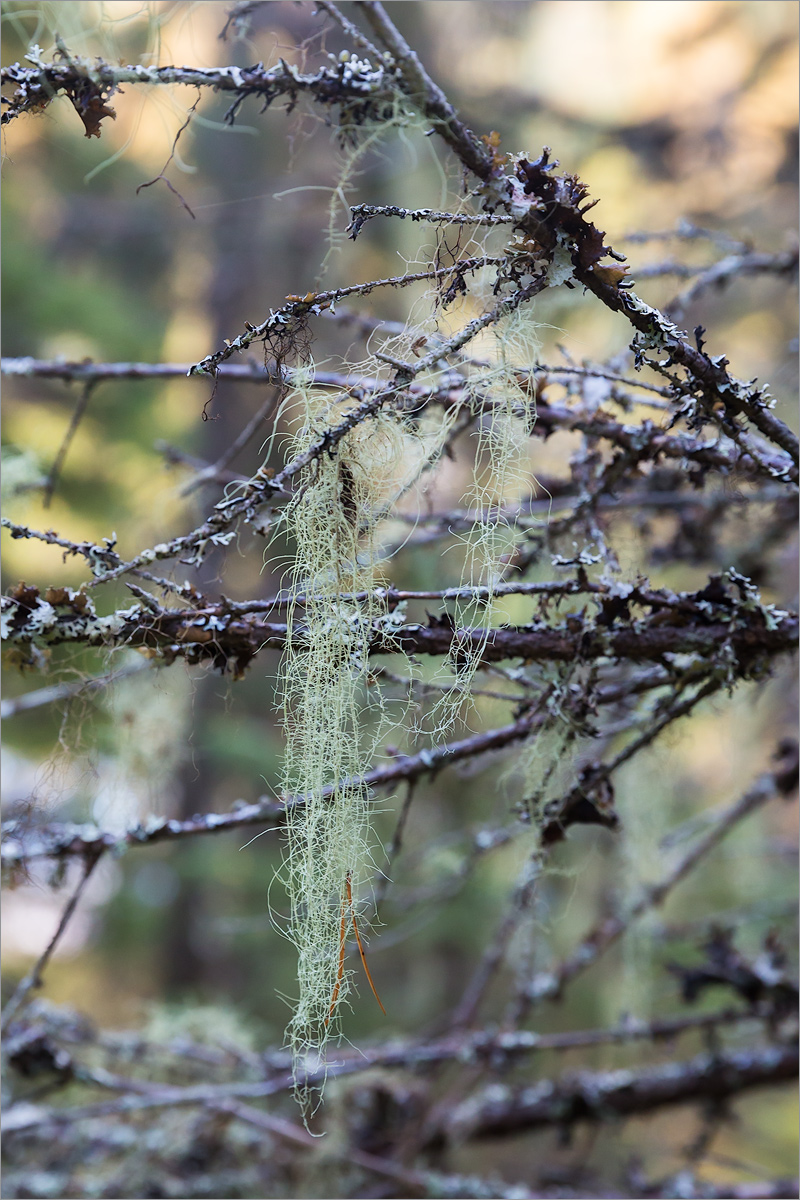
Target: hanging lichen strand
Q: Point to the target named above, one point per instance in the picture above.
(500, 478)
(332, 721)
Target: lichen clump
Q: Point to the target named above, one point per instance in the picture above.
(332, 721)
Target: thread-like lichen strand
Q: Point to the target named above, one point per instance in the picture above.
(500, 478)
(332, 721)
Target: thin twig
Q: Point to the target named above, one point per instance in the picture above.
(161, 176)
(216, 471)
(498, 944)
(729, 268)
(75, 420)
(393, 849)
(34, 977)
(65, 691)
(350, 29)
(422, 90)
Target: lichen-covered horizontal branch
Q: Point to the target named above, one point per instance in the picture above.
(490, 1046)
(96, 372)
(87, 371)
(704, 624)
(358, 89)
(501, 1111)
(90, 372)
(361, 213)
(23, 843)
(575, 640)
(482, 1046)
(648, 440)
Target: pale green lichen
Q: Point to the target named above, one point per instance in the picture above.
(500, 479)
(332, 721)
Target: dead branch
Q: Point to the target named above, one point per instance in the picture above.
(586, 1096)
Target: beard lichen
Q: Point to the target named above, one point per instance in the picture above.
(333, 719)
(500, 478)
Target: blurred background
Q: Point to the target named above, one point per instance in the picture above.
(680, 111)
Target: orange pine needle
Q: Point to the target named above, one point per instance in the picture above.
(360, 946)
(340, 971)
(348, 903)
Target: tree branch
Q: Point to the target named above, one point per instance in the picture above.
(586, 1096)
(429, 98)
(355, 87)
(33, 979)
(550, 984)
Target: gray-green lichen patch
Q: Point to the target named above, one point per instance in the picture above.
(60, 615)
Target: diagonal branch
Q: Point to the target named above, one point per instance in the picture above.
(33, 979)
(550, 984)
(58, 462)
(426, 94)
